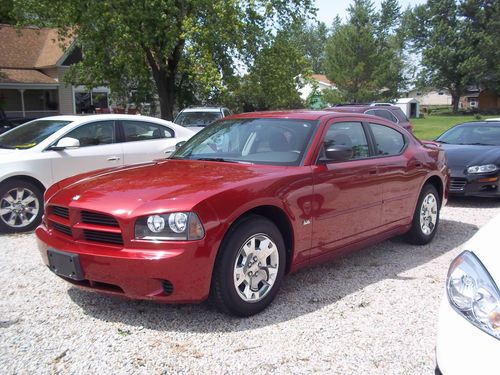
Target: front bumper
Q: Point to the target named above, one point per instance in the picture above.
(463, 348)
(174, 272)
(475, 185)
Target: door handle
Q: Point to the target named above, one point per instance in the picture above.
(113, 158)
(373, 171)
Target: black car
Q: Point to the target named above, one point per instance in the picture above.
(473, 153)
(9, 123)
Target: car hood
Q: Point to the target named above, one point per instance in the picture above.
(461, 156)
(484, 245)
(158, 186)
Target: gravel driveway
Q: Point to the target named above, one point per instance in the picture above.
(372, 312)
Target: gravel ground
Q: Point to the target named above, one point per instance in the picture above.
(372, 312)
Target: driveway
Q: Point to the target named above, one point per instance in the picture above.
(372, 312)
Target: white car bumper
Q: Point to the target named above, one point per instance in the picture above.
(462, 348)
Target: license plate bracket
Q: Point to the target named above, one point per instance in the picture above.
(65, 264)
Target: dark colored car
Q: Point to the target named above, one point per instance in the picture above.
(9, 123)
(473, 153)
(243, 202)
(389, 112)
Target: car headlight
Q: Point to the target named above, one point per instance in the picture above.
(172, 226)
(487, 168)
(473, 293)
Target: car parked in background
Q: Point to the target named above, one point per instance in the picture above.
(384, 110)
(469, 319)
(35, 155)
(473, 153)
(196, 118)
(240, 204)
(7, 123)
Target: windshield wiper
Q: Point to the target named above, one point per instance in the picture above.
(224, 160)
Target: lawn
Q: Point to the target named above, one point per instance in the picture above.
(431, 126)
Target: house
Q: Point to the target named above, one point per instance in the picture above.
(32, 66)
(477, 99)
(319, 83)
(431, 97)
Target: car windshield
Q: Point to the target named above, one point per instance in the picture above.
(472, 134)
(30, 134)
(197, 119)
(255, 141)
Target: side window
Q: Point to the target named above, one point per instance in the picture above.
(383, 113)
(349, 134)
(142, 131)
(95, 133)
(387, 140)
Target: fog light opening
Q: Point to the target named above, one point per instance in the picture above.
(167, 286)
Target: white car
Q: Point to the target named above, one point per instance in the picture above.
(39, 153)
(196, 118)
(469, 320)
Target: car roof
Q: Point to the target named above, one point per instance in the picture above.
(202, 109)
(480, 123)
(297, 114)
(111, 116)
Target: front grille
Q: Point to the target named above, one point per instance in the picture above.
(458, 184)
(89, 217)
(60, 211)
(98, 236)
(61, 228)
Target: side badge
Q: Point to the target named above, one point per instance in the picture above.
(76, 197)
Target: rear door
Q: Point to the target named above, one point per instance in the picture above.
(400, 180)
(347, 194)
(98, 149)
(145, 141)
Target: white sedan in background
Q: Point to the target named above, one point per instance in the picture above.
(39, 153)
(469, 320)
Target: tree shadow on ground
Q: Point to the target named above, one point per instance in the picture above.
(301, 293)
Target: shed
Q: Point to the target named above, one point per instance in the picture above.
(410, 106)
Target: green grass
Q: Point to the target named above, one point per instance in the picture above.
(430, 127)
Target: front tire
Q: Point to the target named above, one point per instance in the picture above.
(21, 206)
(426, 217)
(249, 267)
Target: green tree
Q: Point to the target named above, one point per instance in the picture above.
(439, 33)
(6, 15)
(482, 27)
(181, 45)
(365, 55)
(272, 81)
(311, 38)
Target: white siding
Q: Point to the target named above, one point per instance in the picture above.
(66, 96)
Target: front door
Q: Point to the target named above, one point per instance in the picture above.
(348, 193)
(97, 150)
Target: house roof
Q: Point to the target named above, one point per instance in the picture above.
(29, 47)
(25, 76)
(406, 100)
(321, 78)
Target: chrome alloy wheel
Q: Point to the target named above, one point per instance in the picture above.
(428, 214)
(256, 268)
(19, 207)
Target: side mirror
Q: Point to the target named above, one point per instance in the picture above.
(338, 153)
(179, 144)
(66, 142)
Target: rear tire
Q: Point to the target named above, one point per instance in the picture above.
(21, 206)
(426, 217)
(249, 267)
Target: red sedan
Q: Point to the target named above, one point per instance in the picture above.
(243, 202)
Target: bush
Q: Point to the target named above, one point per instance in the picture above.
(477, 116)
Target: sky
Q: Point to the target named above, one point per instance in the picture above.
(328, 9)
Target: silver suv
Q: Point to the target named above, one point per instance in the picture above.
(196, 118)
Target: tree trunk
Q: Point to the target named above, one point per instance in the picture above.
(455, 100)
(165, 85)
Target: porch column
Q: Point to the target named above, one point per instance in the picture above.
(22, 102)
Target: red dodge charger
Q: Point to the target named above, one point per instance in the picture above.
(245, 201)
